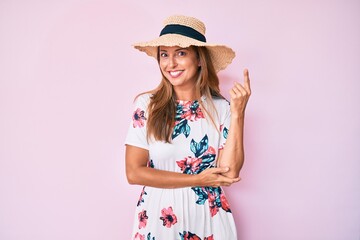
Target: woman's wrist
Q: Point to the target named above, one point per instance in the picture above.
(196, 180)
(238, 117)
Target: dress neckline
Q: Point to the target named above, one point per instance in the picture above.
(183, 102)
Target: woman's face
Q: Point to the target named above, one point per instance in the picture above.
(179, 66)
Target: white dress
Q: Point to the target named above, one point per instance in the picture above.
(189, 212)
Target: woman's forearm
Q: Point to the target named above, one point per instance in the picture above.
(232, 155)
(210, 177)
(161, 179)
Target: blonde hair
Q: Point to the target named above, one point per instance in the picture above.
(162, 106)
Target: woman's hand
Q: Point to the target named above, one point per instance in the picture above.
(239, 96)
(212, 177)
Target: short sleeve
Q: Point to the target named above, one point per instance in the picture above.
(224, 124)
(136, 135)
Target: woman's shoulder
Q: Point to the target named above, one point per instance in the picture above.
(143, 99)
(222, 107)
(220, 102)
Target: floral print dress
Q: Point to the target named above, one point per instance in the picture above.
(196, 213)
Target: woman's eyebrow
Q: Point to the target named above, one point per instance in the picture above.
(178, 49)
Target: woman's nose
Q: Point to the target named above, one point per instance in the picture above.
(172, 62)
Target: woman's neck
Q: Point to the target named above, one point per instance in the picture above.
(186, 95)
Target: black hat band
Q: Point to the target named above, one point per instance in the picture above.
(183, 30)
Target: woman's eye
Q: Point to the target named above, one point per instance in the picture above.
(163, 54)
(181, 53)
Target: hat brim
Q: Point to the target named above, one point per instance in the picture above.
(221, 55)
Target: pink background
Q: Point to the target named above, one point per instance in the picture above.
(68, 76)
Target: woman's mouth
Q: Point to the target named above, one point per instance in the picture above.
(175, 74)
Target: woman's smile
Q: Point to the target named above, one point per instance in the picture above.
(175, 74)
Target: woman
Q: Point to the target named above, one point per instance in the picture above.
(175, 145)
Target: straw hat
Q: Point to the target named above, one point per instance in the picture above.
(186, 31)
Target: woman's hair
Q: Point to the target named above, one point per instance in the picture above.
(162, 106)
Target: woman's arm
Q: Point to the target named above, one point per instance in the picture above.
(138, 173)
(233, 153)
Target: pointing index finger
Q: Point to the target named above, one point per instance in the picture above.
(246, 79)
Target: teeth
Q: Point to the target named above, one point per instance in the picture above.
(176, 73)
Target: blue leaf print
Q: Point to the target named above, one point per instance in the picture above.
(176, 131)
(179, 112)
(216, 192)
(203, 196)
(209, 158)
(151, 164)
(225, 132)
(149, 237)
(187, 129)
(181, 127)
(199, 148)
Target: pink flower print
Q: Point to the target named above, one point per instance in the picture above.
(168, 217)
(192, 111)
(189, 236)
(139, 118)
(209, 237)
(142, 219)
(189, 165)
(210, 150)
(212, 204)
(224, 203)
(221, 147)
(138, 236)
